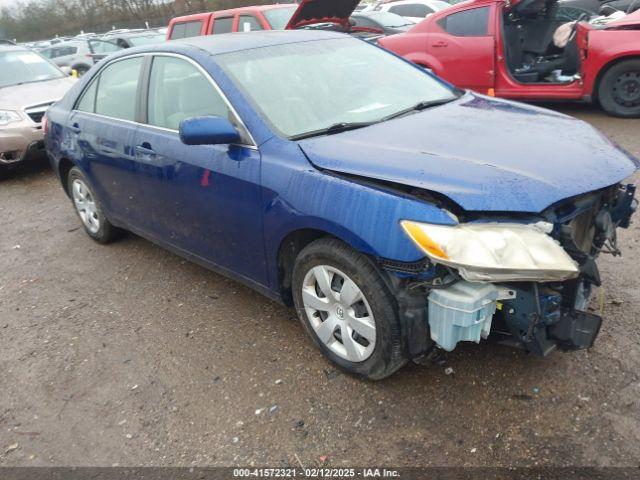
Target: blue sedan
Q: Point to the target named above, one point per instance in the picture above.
(400, 215)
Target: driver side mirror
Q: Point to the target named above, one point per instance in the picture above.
(209, 130)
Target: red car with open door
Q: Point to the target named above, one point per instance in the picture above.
(521, 49)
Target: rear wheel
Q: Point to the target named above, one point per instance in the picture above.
(347, 309)
(88, 209)
(619, 90)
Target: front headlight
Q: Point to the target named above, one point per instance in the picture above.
(494, 251)
(9, 116)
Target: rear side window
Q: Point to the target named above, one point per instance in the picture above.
(249, 23)
(223, 25)
(87, 102)
(411, 10)
(177, 91)
(468, 23)
(186, 29)
(117, 89)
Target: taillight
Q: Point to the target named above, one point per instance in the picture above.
(45, 124)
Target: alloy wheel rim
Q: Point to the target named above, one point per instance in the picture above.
(627, 89)
(85, 205)
(339, 313)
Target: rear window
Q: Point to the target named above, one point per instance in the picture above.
(411, 10)
(186, 29)
(468, 23)
(223, 25)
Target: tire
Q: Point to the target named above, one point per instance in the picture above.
(375, 308)
(88, 209)
(619, 90)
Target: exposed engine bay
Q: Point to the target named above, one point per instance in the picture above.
(539, 316)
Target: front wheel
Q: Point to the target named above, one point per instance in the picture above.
(347, 309)
(619, 90)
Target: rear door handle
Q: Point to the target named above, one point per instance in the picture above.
(75, 128)
(440, 44)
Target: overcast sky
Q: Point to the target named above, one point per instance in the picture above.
(8, 3)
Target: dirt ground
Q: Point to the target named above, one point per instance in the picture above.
(129, 355)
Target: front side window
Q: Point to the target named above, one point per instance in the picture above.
(468, 23)
(249, 23)
(177, 91)
(223, 25)
(25, 66)
(117, 89)
(329, 82)
(411, 10)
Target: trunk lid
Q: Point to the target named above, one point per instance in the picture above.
(322, 11)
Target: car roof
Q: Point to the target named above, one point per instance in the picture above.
(235, 42)
(8, 48)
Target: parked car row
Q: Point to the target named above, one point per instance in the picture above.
(81, 52)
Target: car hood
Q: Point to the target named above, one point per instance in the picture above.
(484, 154)
(629, 20)
(322, 11)
(18, 97)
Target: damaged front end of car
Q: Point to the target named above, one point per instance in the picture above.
(528, 282)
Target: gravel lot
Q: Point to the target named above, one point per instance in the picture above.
(129, 355)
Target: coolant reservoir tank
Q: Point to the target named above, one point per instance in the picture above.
(461, 313)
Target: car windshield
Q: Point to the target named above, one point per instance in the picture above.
(308, 86)
(146, 39)
(278, 18)
(22, 66)
(390, 20)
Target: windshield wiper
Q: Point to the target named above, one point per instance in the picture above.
(418, 107)
(335, 128)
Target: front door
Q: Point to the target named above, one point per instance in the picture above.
(208, 199)
(464, 45)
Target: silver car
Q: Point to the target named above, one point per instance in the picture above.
(28, 85)
(79, 55)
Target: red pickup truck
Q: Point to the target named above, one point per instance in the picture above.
(507, 48)
(245, 19)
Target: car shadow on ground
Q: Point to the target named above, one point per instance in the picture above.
(35, 166)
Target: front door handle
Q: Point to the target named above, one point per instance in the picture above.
(440, 44)
(75, 128)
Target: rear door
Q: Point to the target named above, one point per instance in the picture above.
(103, 128)
(463, 42)
(207, 196)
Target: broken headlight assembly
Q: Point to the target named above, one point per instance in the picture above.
(494, 252)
